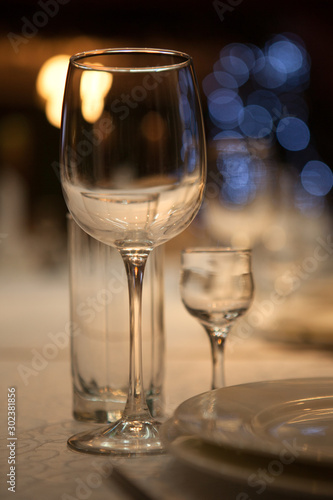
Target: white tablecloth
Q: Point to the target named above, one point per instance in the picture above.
(34, 305)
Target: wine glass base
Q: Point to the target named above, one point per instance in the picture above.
(132, 437)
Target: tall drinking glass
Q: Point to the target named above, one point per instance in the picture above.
(133, 170)
(99, 319)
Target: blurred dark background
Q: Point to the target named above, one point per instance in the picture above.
(215, 33)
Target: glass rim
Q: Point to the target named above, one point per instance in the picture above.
(76, 58)
(227, 250)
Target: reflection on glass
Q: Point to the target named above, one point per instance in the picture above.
(93, 88)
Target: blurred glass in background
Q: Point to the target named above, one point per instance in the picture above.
(268, 185)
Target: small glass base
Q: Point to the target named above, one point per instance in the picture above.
(98, 409)
(107, 407)
(126, 437)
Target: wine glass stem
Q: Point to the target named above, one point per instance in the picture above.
(217, 340)
(136, 405)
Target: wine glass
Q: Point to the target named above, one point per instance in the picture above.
(133, 168)
(216, 287)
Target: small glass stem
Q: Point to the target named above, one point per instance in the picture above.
(136, 405)
(217, 339)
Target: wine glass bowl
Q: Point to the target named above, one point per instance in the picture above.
(133, 169)
(141, 131)
(216, 288)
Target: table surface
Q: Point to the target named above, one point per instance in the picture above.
(32, 306)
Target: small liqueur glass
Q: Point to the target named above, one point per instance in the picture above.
(216, 288)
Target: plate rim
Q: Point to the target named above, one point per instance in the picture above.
(287, 482)
(251, 442)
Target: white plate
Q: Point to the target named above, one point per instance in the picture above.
(258, 473)
(291, 420)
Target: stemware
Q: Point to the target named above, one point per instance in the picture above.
(216, 287)
(133, 167)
